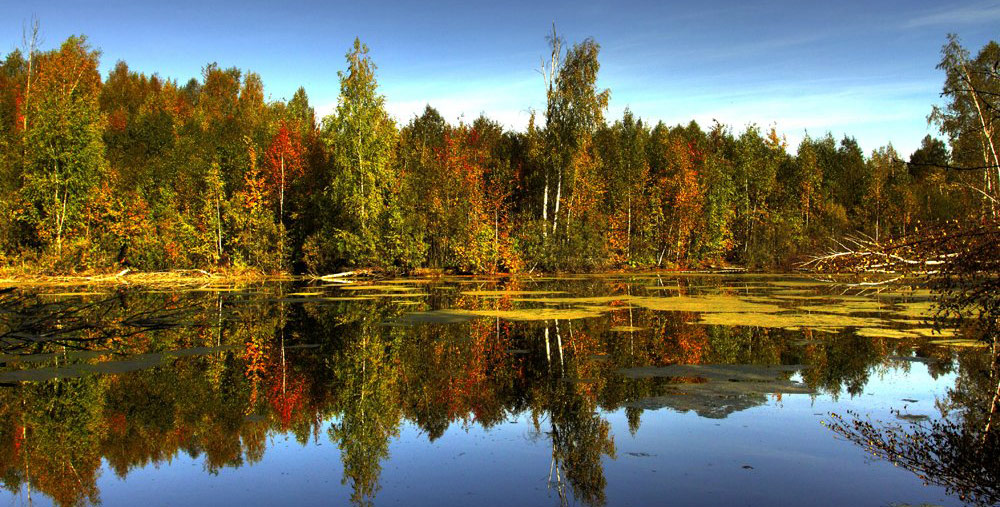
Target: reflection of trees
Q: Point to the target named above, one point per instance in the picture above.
(289, 367)
(960, 451)
(58, 454)
(842, 363)
(580, 437)
(368, 408)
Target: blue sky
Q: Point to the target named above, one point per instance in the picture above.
(866, 69)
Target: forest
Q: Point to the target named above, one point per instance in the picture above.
(143, 172)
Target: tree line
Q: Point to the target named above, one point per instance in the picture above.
(139, 171)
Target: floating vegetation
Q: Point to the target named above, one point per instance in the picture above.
(715, 391)
(799, 296)
(385, 288)
(846, 307)
(626, 329)
(72, 294)
(715, 372)
(960, 343)
(432, 317)
(881, 332)
(800, 283)
(132, 363)
(789, 320)
(913, 359)
(912, 418)
(579, 300)
(523, 314)
(510, 292)
(35, 358)
(704, 304)
(929, 332)
(917, 309)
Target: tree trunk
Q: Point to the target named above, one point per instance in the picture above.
(218, 226)
(545, 207)
(555, 216)
(27, 87)
(628, 237)
(281, 201)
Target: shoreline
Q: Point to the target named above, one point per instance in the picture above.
(183, 277)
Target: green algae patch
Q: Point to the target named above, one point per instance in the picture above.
(510, 292)
(911, 322)
(881, 332)
(397, 295)
(960, 343)
(714, 372)
(627, 329)
(72, 294)
(799, 283)
(704, 304)
(716, 390)
(433, 317)
(928, 332)
(800, 297)
(789, 320)
(917, 309)
(848, 307)
(385, 288)
(456, 315)
(126, 365)
(578, 300)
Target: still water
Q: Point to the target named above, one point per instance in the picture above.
(580, 390)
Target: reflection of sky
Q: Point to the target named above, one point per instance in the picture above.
(676, 456)
(865, 69)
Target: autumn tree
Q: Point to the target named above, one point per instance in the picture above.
(360, 137)
(284, 161)
(63, 146)
(574, 111)
(256, 242)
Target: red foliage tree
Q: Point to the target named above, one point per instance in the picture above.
(284, 161)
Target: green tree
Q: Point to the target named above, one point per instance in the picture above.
(361, 139)
(969, 117)
(574, 111)
(65, 152)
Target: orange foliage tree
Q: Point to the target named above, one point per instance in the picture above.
(284, 161)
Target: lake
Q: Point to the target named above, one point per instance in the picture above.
(612, 389)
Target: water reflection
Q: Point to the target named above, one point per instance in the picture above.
(124, 379)
(960, 452)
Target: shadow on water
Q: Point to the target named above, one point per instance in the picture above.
(122, 380)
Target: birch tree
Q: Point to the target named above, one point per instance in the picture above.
(64, 150)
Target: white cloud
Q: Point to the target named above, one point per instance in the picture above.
(973, 14)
